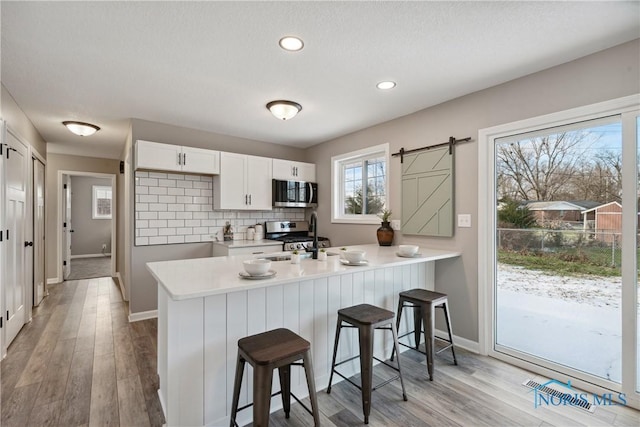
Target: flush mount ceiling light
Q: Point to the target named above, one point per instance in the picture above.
(386, 85)
(81, 128)
(291, 43)
(284, 110)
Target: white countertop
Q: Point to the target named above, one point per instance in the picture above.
(247, 243)
(196, 278)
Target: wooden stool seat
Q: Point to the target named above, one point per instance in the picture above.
(276, 349)
(273, 346)
(366, 318)
(365, 314)
(423, 302)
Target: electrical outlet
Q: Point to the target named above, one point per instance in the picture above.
(464, 220)
(395, 224)
(104, 246)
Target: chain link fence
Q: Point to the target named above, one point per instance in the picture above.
(571, 245)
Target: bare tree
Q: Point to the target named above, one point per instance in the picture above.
(540, 168)
(600, 178)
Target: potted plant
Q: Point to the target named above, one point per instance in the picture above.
(385, 232)
(295, 257)
(322, 255)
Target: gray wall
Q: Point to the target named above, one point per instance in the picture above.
(605, 75)
(58, 162)
(88, 234)
(18, 121)
(143, 293)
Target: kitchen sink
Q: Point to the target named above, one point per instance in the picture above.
(287, 257)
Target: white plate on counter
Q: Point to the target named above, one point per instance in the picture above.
(268, 275)
(357, 263)
(409, 256)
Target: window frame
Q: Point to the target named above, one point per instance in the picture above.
(94, 206)
(337, 184)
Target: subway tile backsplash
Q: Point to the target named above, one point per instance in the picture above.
(175, 208)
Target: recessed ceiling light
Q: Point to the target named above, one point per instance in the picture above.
(81, 128)
(291, 43)
(386, 85)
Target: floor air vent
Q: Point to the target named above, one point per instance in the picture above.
(554, 388)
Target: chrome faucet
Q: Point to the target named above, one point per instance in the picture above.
(313, 221)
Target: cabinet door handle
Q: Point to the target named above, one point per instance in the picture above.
(180, 159)
(246, 199)
(184, 159)
(249, 198)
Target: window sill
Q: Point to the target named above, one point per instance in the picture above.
(363, 221)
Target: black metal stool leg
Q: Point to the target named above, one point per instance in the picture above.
(397, 348)
(398, 317)
(335, 353)
(365, 334)
(417, 324)
(262, 379)
(448, 319)
(236, 390)
(427, 313)
(284, 372)
(311, 385)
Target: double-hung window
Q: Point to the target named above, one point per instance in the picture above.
(360, 185)
(101, 202)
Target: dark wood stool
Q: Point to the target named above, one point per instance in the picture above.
(278, 348)
(366, 318)
(423, 302)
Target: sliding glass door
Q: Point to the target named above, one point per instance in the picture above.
(558, 264)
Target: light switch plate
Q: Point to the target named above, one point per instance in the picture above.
(395, 224)
(464, 220)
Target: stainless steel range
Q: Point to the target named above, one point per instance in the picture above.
(293, 235)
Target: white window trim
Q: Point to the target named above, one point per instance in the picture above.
(94, 213)
(336, 185)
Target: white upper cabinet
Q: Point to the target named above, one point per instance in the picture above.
(169, 157)
(288, 170)
(244, 183)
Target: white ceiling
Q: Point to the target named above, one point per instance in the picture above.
(214, 65)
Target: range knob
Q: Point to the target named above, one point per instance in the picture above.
(299, 245)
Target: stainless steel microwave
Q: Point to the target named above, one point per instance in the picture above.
(295, 194)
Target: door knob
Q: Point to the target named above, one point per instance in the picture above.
(28, 244)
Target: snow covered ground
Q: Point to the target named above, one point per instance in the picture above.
(574, 321)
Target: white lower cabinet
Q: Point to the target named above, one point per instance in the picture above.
(244, 182)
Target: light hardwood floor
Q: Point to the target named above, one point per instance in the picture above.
(80, 362)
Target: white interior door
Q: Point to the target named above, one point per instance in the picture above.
(38, 232)
(16, 167)
(66, 209)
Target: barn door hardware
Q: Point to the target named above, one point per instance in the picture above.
(451, 142)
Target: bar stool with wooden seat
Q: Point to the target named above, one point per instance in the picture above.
(278, 348)
(366, 318)
(423, 302)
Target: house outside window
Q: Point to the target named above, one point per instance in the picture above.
(360, 185)
(101, 202)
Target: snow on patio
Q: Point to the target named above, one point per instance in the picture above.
(574, 321)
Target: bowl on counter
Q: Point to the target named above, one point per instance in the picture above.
(354, 256)
(408, 250)
(257, 267)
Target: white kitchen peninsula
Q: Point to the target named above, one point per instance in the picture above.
(204, 307)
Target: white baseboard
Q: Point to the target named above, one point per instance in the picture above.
(91, 256)
(121, 284)
(468, 345)
(143, 315)
(53, 280)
